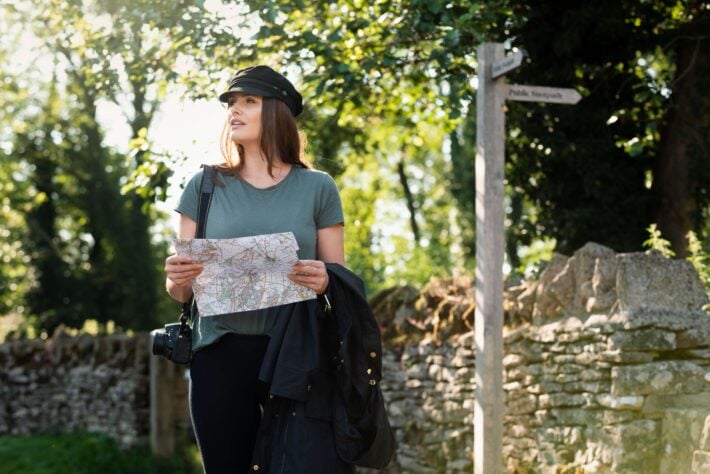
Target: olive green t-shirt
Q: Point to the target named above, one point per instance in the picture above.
(303, 202)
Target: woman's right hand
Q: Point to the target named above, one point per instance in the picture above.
(181, 270)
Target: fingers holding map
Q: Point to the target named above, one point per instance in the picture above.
(244, 274)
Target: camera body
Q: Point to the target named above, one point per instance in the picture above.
(174, 342)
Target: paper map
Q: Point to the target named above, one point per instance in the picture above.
(244, 274)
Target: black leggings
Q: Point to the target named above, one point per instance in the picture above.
(225, 401)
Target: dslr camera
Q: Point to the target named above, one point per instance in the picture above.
(175, 341)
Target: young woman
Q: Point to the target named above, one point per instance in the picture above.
(264, 186)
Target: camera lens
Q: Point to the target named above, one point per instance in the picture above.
(159, 343)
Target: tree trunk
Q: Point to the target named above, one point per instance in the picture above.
(680, 147)
(410, 201)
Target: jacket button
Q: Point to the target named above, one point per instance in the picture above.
(373, 382)
(369, 371)
(373, 354)
(255, 467)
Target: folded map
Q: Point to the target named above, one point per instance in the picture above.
(245, 273)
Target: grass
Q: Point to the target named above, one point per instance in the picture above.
(87, 454)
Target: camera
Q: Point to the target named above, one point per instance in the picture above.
(173, 342)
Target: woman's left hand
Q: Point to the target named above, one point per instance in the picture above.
(311, 274)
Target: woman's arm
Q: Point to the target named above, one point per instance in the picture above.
(330, 245)
(329, 249)
(180, 271)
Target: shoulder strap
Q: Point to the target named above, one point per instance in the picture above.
(206, 189)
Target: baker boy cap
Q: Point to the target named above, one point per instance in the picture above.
(264, 81)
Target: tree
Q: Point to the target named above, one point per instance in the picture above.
(575, 174)
(128, 52)
(589, 168)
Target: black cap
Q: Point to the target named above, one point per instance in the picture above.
(265, 82)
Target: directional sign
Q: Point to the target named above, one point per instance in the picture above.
(506, 64)
(542, 94)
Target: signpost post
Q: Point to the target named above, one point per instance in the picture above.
(490, 140)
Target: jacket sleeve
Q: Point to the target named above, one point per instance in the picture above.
(363, 434)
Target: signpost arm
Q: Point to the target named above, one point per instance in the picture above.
(490, 126)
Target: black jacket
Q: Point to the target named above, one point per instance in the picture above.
(325, 411)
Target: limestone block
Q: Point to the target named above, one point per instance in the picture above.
(694, 337)
(549, 400)
(664, 318)
(643, 340)
(665, 377)
(565, 359)
(524, 405)
(586, 387)
(458, 465)
(612, 417)
(576, 416)
(545, 387)
(465, 375)
(636, 446)
(649, 280)
(656, 405)
(565, 378)
(513, 360)
(628, 402)
(585, 263)
(585, 358)
(603, 285)
(589, 375)
(554, 291)
(680, 433)
(626, 357)
(701, 462)
(705, 438)
(597, 323)
(565, 435)
(525, 301)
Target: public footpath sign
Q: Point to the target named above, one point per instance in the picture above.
(490, 214)
(506, 64)
(553, 95)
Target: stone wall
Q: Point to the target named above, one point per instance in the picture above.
(701, 457)
(83, 383)
(607, 369)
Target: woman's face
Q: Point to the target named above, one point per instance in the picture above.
(244, 118)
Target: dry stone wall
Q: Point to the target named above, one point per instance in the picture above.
(83, 383)
(607, 369)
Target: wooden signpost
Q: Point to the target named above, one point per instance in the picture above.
(490, 139)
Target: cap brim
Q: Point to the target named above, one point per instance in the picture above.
(246, 89)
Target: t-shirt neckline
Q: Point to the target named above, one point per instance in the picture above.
(273, 186)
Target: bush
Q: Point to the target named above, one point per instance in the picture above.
(86, 454)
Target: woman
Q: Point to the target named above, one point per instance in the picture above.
(266, 187)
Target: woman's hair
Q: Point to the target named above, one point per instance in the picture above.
(279, 137)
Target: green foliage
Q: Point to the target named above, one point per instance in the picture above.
(390, 112)
(593, 170)
(86, 454)
(574, 174)
(87, 211)
(699, 256)
(658, 243)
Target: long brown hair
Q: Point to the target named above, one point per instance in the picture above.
(280, 137)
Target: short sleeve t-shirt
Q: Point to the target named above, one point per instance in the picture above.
(303, 202)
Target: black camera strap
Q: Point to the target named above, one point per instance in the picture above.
(206, 190)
